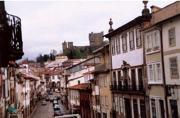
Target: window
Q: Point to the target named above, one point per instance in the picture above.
(133, 79)
(138, 39)
(153, 107)
(140, 78)
(174, 108)
(131, 40)
(114, 78)
(148, 43)
(152, 40)
(116, 103)
(157, 108)
(113, 46)
(104, 115)
(158, 71)
(119, 76)
(143, 109)
(117, 45)
(173, 68)
(154, 73)
(172, 39)
(124, 43)
(150, 72)
(156, 41)
(161, 103)
(135, 107)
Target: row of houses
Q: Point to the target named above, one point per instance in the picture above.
(21, 85)
(134, 75)
(20, 91)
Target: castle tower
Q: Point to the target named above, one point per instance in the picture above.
(96, 39)
(70, 45)
(64, 46)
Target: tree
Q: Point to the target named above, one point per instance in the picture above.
(40, 60)
(46, 57)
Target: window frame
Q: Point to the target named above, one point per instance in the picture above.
(138, 38)
(172, 37)
(153, 106)
(153, 78)
(131, 40)
(152, 41)
(124, 43)
(172, 71)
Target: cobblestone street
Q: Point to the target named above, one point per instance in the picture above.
(43, 111)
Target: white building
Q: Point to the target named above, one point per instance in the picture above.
(171, 51)
(127, 58)
(78, 75)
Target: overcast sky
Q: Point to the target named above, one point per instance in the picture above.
(46, 24)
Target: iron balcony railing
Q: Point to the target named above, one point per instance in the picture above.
(127, 88)
(11, 45)
(15, 36)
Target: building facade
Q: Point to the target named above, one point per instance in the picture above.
(101, 94)
(127, 58)
(154, 72)
(171, 54)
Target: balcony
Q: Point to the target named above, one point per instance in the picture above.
(11, 45)
(15, 36)
(127, 89)
(102, 68)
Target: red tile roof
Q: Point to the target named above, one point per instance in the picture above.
(83, 86)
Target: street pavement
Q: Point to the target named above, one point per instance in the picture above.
(46, 111)
(43, 111)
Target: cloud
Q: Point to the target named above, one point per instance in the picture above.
(45, 24)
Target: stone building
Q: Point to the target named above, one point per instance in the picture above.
(101, 93)
(96, 39)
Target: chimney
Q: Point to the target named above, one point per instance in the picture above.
(154, 9)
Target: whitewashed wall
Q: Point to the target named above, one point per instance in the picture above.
(80, 76)
(174, 23)
(133, 58)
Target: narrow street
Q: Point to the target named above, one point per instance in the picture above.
(46, 111)
(43, 111)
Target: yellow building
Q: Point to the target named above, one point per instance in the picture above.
(102, 102)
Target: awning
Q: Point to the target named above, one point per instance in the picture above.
(12, 110)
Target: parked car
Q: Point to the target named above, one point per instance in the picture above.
(57, 111)
(55, 102)
(43, 102)
(56, 106)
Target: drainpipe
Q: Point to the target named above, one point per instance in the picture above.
(163, 72)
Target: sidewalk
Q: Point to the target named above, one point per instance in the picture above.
(30, 116)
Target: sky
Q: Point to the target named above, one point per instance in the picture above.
(46, 24)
